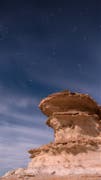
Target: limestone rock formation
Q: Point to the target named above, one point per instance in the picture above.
(76, 120)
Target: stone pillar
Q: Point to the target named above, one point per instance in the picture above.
(76, 149)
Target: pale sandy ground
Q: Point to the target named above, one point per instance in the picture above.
(86, 177)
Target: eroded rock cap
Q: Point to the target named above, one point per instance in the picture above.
(68, 101)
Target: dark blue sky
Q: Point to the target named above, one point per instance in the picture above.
(45, 46)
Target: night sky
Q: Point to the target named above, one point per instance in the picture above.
(45, 46)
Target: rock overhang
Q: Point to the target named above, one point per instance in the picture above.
(67, 101)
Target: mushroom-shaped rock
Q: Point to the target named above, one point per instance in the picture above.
(67, 101)
(76, 148)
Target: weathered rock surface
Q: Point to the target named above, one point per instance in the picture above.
(68, 127)
(66, 101)
(53, 177)
(76, 120)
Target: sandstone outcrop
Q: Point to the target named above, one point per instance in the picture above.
(67, 101)
(76, 120)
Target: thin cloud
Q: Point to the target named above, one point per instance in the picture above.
(21, 129)
(15, 141)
